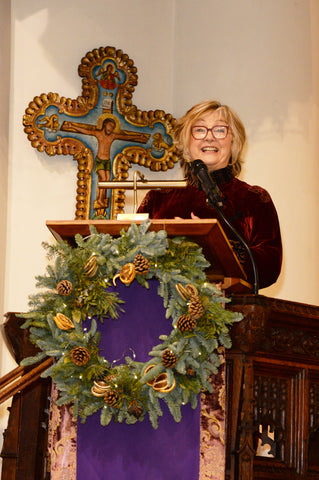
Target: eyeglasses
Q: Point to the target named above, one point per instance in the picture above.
(218, 132)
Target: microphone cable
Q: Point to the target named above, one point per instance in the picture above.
(214, 199)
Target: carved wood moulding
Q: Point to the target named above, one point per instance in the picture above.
(276, 327)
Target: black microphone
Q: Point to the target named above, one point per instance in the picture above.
(215, 199)
(208, 185)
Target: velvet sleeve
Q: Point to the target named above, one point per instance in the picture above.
(261, 230)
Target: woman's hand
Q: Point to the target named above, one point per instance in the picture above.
(193, 217)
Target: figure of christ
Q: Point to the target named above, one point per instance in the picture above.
(105, 137)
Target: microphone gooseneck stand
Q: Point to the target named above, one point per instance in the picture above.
(215, 200)
(242, 241)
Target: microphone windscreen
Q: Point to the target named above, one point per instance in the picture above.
(198, 165)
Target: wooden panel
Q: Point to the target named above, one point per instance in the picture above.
(273, 391)
(24, 450)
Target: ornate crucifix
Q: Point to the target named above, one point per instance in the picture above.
(103, 130)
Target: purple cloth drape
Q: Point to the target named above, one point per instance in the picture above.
(136, 452)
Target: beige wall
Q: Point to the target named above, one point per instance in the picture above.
(4, 134)
(259, 56)
(5, 360)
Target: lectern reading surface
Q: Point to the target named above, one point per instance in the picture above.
(207, 233)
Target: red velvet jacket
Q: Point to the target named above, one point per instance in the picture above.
(249, 209)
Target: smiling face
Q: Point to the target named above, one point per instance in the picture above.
(215, 153)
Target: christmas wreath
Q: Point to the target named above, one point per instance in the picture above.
(76, 294)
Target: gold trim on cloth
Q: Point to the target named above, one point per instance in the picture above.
(63, 433)
(62, 441)
(213, 427)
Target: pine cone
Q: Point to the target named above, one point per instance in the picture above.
(169, 359)
(135, 408)
(141, 264)
(195, 308)
(112, 398)
(64, 287)
(80, 355)
(186, 323)
(190, 372)
(109, 378)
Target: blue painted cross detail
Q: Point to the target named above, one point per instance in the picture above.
(103, 131)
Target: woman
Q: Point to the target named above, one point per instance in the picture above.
(213, 133)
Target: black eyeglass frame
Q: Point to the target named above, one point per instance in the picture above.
(210, 130)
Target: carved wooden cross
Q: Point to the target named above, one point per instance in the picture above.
(103, 131)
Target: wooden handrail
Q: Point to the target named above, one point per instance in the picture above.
(9, 377)
(16, 380)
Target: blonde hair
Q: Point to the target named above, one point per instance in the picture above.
(182, 132)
